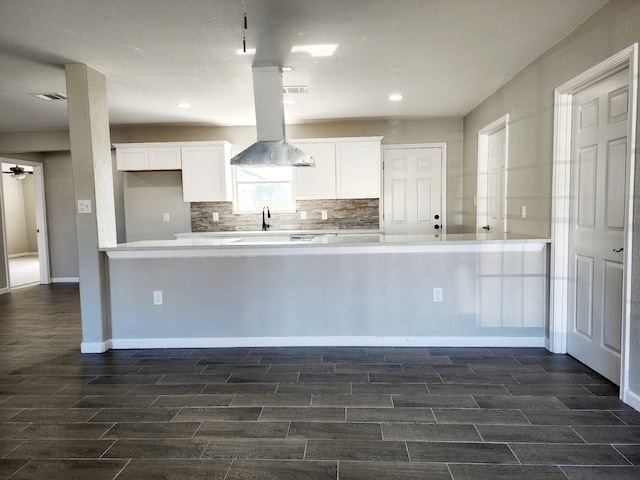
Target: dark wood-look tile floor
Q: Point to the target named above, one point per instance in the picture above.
(296, 413)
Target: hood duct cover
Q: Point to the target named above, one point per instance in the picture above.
(271, 149)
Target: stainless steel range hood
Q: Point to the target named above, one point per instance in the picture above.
(271, 149)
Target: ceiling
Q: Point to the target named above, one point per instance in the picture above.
(444, 56)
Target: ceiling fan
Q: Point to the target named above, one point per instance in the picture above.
(18, 172)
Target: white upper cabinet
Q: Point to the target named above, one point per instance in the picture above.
(319, 181)
(147, 156)
(165, 158)
(206, 173)
(346, 167)
(358, 166)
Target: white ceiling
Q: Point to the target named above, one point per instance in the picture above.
(445, 56)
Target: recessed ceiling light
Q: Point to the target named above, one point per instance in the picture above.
(289, 101)
(250, 51)
(183, 104)
(287, 68)
(396, 97)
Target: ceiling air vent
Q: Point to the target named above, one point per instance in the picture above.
(295, 89)
(50, 96)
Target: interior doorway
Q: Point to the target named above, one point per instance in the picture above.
(26, 252)
(491, 198)
(588, 283)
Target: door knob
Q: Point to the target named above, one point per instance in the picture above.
(618, 250)
(487, 228)
(437, 217)
(437, 227)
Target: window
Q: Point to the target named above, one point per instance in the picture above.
(255, 187)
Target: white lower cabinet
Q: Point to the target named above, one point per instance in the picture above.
(345, 168)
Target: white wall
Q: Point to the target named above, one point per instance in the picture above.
(16, 220)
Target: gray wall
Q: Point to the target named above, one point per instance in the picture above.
(528, 98)
(248, 296)
(147, 196)
(61, 220)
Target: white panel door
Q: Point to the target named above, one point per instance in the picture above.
(413, 190)
(496, 189)
(598, 180)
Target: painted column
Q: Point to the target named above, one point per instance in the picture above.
(93, 187)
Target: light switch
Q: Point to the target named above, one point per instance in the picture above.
(303, 215)
(165, 217)
(84, 206)
(523, 211)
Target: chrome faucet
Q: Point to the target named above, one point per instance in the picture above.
(265, 225)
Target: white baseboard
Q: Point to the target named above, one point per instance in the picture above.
(4, 290)
(65, 280)
(227, 342)
(95, 347)
(632, 399)
(24, 254)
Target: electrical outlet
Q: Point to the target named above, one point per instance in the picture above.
(303, 215)
(216, 217)
(324, 215)
(437, 295)
(165, 217)
(157, 297)
(523, 211)
(84, 206)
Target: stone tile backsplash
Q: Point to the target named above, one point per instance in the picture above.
(360, 213)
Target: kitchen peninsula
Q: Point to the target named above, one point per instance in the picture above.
(328, 288)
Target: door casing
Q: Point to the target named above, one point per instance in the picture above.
(41, 223)
(560, 264)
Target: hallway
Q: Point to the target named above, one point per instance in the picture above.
(293, 413)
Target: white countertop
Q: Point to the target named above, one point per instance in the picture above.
(308, 239)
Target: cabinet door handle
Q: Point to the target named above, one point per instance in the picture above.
(487, 228)
(618, 250)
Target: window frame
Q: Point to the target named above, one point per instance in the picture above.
(237, 210)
